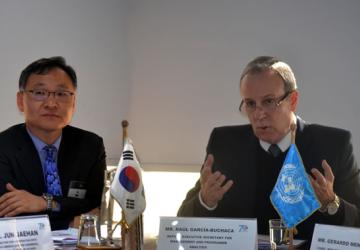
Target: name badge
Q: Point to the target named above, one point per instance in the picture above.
(207, 233)
(335, 237)
(77, 189)
(27, 232)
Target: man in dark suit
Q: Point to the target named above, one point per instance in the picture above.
(47, 166)
(242, 167)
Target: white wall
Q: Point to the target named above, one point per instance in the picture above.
(91, 35)
(187, 57)
(172, 67)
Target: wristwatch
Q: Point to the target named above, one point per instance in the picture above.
(49, 201)
(333, 206)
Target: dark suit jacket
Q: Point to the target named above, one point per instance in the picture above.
(81, 157)
(234, 150)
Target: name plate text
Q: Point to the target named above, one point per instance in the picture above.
(27, 232)
(327, 237)
(206, 233)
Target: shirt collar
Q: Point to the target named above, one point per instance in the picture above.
(284, 144)
(39, 144)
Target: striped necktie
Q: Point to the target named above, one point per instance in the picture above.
(52, 179)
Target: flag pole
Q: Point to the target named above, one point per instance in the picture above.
(291, 230)
(131, 234)
(124, 125)
(293, 133)
(293, 177)
(124, 225)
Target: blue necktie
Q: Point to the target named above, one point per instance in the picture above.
(52, 179)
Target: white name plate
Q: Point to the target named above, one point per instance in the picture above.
(328, 237)
(207, 233)
(25, 233)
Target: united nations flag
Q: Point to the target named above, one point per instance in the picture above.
(293, 196)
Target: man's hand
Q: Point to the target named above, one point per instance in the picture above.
(323, 185)
(213, 185)
(17, 201)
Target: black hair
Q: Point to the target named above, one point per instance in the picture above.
(43, 66)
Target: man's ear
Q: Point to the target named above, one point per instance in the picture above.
(74, 104)
(20, 100)
(294, 98)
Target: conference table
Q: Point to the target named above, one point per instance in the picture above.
(150, 244)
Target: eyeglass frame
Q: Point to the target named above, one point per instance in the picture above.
(277, 102)
(48, 93)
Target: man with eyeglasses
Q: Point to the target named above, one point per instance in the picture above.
(243, 162)
(46, 165)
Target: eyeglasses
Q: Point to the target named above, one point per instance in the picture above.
(43, 94)
(267, 104)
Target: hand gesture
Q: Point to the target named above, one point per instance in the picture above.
(17, 201)
(213, 185)
(323, 185)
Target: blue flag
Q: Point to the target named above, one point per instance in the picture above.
(293, 196)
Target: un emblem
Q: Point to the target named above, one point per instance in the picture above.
(41, 226)
(291, 185)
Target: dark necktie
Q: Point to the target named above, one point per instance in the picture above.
(51, 174)
(274, 150)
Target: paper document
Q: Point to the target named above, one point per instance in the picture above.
(66, 237)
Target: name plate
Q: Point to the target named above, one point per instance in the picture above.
(27, 232)
(207, 233)
(328, 237)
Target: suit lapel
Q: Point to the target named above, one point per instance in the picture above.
(247, 177)
(29, 162)
(252, 175)
(304, 143)
(66, 158)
